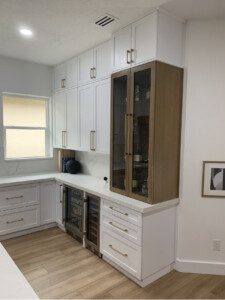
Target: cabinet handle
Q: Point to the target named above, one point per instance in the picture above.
(128, 57)
(64, 140)
(111, 223)
(91, 73)
(61, 194)
(125, 214)
(85, 218)
(15, 197)
(132, 55)
(63, 83)
(14, 221)
(92, 140)
(118, 251)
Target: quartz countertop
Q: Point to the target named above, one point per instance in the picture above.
(89, 184)
(13, 285)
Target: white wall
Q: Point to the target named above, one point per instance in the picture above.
(94, 164)
(18, 76)
(200, 220)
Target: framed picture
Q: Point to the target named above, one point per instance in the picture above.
(213, 179)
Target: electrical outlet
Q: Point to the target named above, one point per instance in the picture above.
(216, 245)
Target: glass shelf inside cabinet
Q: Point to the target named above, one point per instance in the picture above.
(141, 111)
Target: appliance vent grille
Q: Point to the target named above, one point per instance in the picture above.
(105, 20)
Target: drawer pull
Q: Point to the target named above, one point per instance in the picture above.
(121, 253)
(19, 220)
(125, 214)
(15, 197)
(125, 230)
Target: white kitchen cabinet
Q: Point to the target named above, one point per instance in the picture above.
(48, 202)
(59, 76)
(158, 36)
(72, 127)
(102, 61)
(102, 116)
(71, 73)
(121, 48)
(60, 119)
(85, 67)
(86, 118)
(59, 205)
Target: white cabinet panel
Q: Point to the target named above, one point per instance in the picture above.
(121, 43)
(102, 60)
(60, 119)
(59, 204)
(144, 39)
(73, 139)
(59, 75)
(86, 115)
(85, 64)
(102, 116)
(48, 202)
(71, 73)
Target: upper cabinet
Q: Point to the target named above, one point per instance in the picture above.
(65, 75)
(94, 64)
(158, 36)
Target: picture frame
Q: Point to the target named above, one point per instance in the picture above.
(213, 179)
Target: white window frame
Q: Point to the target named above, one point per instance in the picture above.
(47, 128)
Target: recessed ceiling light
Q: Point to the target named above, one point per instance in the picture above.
(26, 32)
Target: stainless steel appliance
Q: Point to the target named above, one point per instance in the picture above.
(82, 217)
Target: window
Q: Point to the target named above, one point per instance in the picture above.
(26, 126)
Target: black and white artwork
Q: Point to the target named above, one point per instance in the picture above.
(213, 182)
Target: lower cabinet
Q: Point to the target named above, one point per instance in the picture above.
(48, 203)
(140, 245)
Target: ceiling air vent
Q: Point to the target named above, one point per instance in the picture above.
(105, 20)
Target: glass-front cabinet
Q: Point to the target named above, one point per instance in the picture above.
(145, 132)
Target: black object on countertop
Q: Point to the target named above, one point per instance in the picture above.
(73, 166)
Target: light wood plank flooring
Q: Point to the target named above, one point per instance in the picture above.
(58, 267)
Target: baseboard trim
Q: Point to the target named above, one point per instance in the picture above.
(200, 266)
(27, 231)
(143, 283)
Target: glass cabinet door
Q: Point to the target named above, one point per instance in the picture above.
(119, 132)
(141, 84)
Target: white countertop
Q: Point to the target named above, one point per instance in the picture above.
(13, 285)
(89, 184)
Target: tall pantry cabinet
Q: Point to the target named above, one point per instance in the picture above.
(145, 131)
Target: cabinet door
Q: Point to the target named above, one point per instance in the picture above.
(59, 75)
(48, 202)
(102, 61)
(121, 44)
(102, 115)
(144, 39)
(71, 73)
(141, 96)
(60, 119)
(86, 118)
(73, 139)
(120, 132)
(85, 64)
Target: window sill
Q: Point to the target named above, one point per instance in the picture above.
(27, 159)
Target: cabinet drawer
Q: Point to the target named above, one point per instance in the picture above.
(122, 228)
(19, 220)
(18, 196)
(122, 212)
(122, 252)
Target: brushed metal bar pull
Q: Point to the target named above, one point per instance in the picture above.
(14, 221)
(15, 197)
(91, 73)
(92, 140)
(118, 251)
(132, 55)
(125, 214)
(61, 194)
(63, 139)
(63, 83)
(128, 57)
(125, 230)
(85, 218)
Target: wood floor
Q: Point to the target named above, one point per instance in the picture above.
(58, 267)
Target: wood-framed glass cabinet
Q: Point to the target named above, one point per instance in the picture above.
(146, 103)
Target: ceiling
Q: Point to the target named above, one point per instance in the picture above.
(64, 28)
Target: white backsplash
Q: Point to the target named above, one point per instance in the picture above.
(94, 164)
